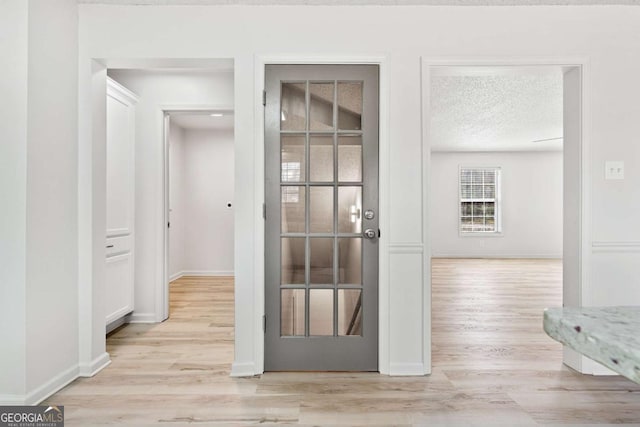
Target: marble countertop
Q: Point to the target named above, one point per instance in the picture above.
(608, 335)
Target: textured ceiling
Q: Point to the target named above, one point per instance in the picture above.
(496, 109)
(370, 2)
(202, 121)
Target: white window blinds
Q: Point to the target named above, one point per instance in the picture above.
(479, 196)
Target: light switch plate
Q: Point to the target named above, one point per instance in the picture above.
(613, 169)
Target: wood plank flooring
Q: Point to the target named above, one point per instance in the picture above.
(492, 365)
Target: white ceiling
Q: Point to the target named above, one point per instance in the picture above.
(496, 108)
(370, 2)
(202, 121)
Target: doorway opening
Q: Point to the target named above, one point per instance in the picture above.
(505, 173)
(191, 101)
(199, 242)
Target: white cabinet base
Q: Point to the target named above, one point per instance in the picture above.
(119, 248)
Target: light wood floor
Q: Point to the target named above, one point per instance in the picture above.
(492, 365)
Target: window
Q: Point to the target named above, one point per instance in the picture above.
(479, 200)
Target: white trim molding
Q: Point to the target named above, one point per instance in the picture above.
(143, 318)
(498, 256)
(112, 326)
(615, 246)
(97, 365)
(52, 386)
(121, 93)
(201, 273)
(12, 399)
(407, 369)
(243, 369)
(406, 248)
(594, 368)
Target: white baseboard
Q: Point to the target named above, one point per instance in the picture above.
(246, 369)
(498, 256)
(572, 359)
(407, 369)
(12, 399)
(202, 273)
(117, 323)
(142, 318)
(583, 364)
(594, 368)
(96, 365)
(53, 385)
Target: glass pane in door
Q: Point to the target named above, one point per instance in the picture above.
(321, 209)
(293, 111)
(292, 254)
(350, 158)
(321, 106)
(293, 209)
(292, 314)
(321, 312)
(350, 260)
(292, 163)
(349, 209)
(321, 263)
(350, 105)
(321, 158)
(349, 312)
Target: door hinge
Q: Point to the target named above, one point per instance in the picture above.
(168, 225)
(379, 234)
(264, 323)
(264, 211)
(264, 98)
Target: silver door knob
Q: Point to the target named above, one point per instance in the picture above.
(370, 233)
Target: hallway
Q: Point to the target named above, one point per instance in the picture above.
(492, 365)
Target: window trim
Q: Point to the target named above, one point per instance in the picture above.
(498, 203)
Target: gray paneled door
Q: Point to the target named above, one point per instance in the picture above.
(321, 254)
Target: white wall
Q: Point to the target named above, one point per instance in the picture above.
(158, 90)
(52, 176)
(39, 273)
(409, 33)
(14, 35)
(531, 201)
(201, 187)
(177, 187)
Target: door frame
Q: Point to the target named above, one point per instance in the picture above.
(166, 111)
(581, 288)
(93, 356)
(260, 61)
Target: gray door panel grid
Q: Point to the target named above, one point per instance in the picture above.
(321, 193)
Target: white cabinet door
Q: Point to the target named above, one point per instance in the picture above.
(120, 201)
